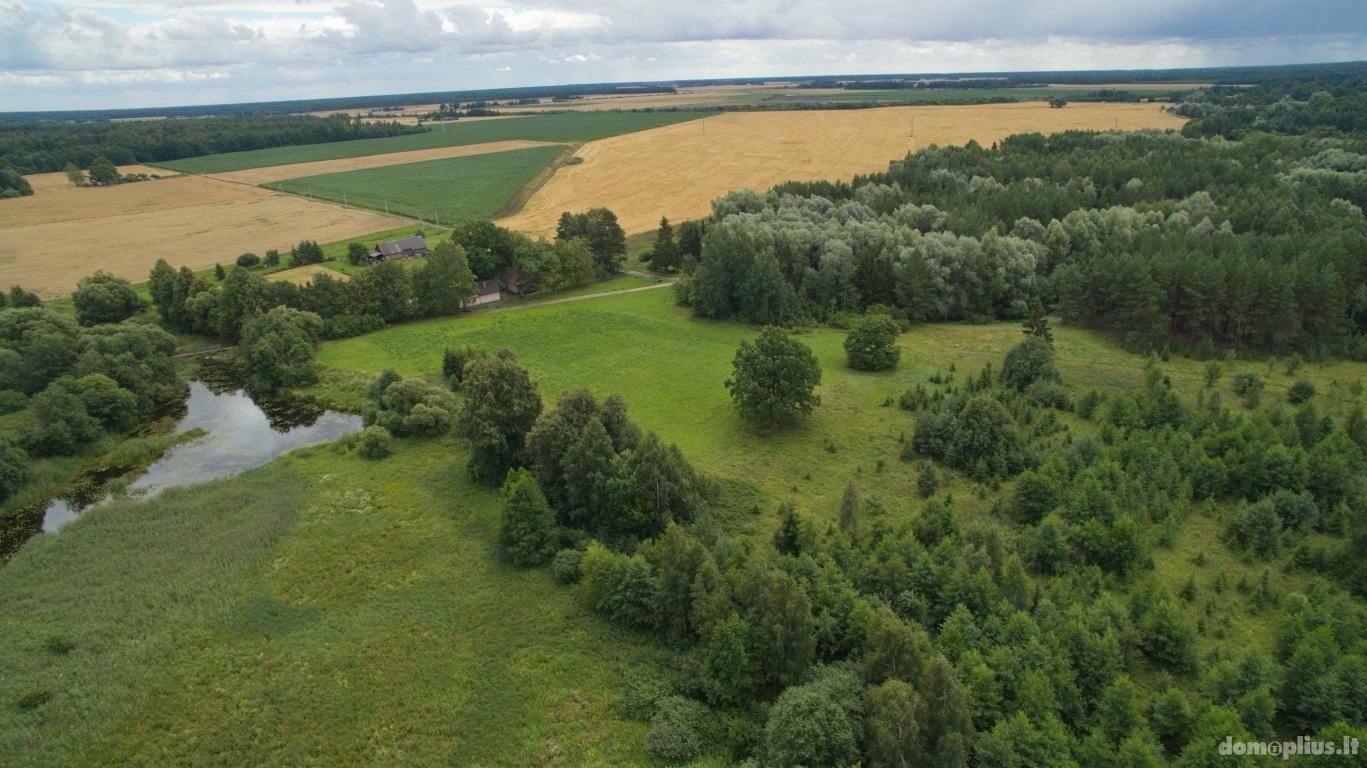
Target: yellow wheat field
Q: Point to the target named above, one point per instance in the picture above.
(676, 170)
(316, 167)
(52, 239)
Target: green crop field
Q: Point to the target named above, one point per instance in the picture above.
(563, 127)
(450, 190)
(328, 610)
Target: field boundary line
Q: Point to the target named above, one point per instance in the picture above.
(538, 181)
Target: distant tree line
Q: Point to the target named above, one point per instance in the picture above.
(43, 147)
(1160, 239)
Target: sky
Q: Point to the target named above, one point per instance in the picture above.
(99, 54)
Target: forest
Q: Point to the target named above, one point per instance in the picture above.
(1167, 241)
(45, 147)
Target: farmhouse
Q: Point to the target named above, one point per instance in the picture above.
(414, 247)
(486, 292)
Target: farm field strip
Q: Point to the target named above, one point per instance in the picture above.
(272, 173)
(677, 170)
(304, 275)
(564, 128)
(449, 190)
(62, 233)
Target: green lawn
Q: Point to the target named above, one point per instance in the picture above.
(563, 127)
(450, 190)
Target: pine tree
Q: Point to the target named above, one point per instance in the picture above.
(525, 536)
(1036, 324)
(665, 254)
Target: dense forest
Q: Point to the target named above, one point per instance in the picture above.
(43, 147)
(1164, 240)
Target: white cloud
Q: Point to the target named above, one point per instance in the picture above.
(62, 55)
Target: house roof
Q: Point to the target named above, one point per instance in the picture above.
(403, 245)
(486, 287)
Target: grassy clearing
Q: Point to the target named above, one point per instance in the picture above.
(567, 127)
(451, 190)
(335, 611)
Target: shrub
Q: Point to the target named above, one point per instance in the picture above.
(453, 362)
(808, 726)
(927, 479)
(1048, 394)
(1030, 361)
(12, 400)
(675, 733)
(412, 407)
(1300, 392)
(1256, 527)
(376, 442)
(1087, 405)
(565, 566)
(347, 326)
(105, 298)
(356, 254)
(248, 260)
(934, 432)
(13, 468)
(871, 345)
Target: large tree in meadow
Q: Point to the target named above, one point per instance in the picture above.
(501, 405)
(774, 379)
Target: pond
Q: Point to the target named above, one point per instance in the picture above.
(239, 435)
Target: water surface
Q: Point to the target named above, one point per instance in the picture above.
(240, 435)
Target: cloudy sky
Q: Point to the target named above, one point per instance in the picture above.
(134, 53)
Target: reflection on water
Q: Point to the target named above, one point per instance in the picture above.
(240, 436)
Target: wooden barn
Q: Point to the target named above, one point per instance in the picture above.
(414, 247)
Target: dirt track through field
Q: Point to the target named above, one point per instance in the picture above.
(60, 234)
(318, 167)
(676, 170)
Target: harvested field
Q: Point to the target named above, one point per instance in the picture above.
(62, 233)
(341, 165)
(676, 170)
(304, 275)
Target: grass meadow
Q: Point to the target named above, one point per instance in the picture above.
(562, 127)
(328, 610)
(449, 191)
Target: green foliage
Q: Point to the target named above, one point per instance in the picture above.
(501, 405)
(599, 230)
(817, 724)
(13, 468)
(895, 725)
(103, 173)
(665, 254)
(1029, 362)
(248, 261)
(356, 254)
(376, 442)
(32, 698)
(1300, 392)
(676, 730)
(306, 252)
(277, 349)
(410, 407)
(986, 443)
(454, 361)
(526, 534)
(727, 673)
(104, 298)
(444, 282)
(621, 587)
(12, 184)
(566, 566)
(774, 379)
(871, 344)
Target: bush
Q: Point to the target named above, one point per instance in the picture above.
(105, 298)
(347, 326)
(1256, 527)
(934, 432)
(871, 345)
(11, 401)
(248, 260)
(675, 733)
(1048, 394)
(565, 566)
(376, 442)
(453, 362)
(13, 468)
(356, 254)
(412, 407)
(1087, 405)
(528, 523)
(1300, 392)
(1030, 361)
(927, 479)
